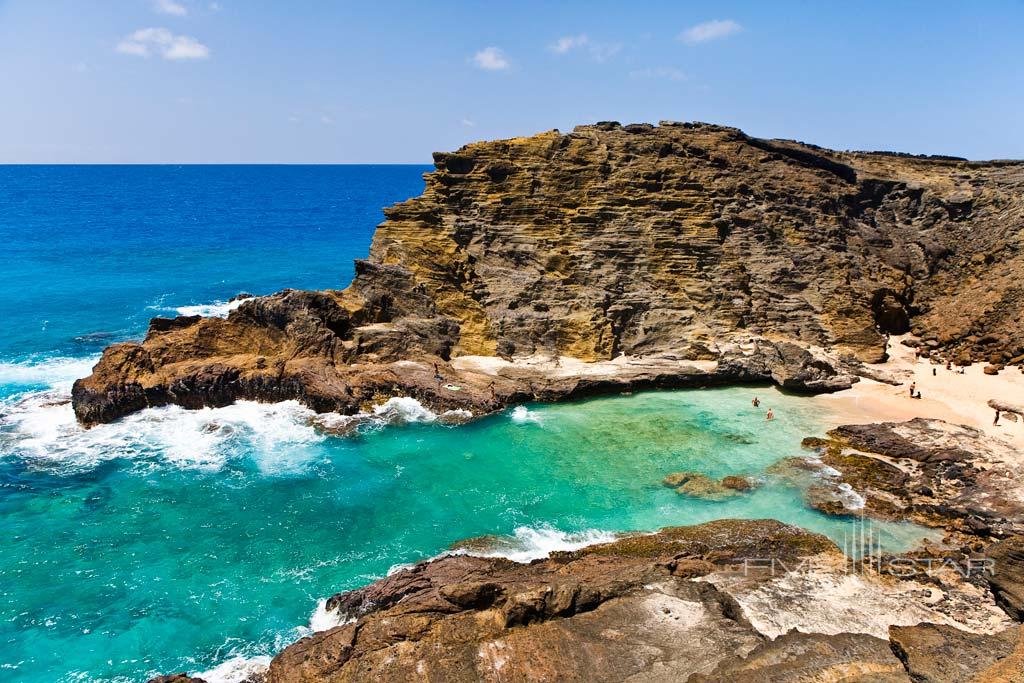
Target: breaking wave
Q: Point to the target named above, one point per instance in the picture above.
(402, 410)
(322, 620)
(238, 669)
(529, 543)
(50, 372)
(39, 426)
(523, 415)
(217, 309)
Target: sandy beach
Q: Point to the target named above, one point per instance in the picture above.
(945, 394)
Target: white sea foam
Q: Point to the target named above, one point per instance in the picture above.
(456, 416)
(217, 309)
(236, 669)
(403, 409)
(523, 415)
(851, 499)
(41, 426)
(52, 372)
(530, 543)
(322, 620)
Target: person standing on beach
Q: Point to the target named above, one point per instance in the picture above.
(913, 386)
(995, 422)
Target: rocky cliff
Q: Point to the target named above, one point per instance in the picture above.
(749, 259)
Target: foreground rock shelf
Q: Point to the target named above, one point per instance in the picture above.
(724, 601)
(731, 600)
(753, 260)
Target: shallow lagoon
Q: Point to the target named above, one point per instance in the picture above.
(181, 540)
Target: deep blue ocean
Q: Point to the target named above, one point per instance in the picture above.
(90, 253)
(204, 541)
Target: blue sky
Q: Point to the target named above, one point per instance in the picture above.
(179, 81)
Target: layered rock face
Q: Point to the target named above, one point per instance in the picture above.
(680, 241)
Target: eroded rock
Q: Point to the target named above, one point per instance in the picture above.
(1007, 574)
(928, 471)
(935, 653)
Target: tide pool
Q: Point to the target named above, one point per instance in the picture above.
(181, 540)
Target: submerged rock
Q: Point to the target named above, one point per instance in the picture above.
(739, 483)
(700, 485)
(677, 479)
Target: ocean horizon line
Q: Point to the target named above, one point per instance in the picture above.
(226, 163)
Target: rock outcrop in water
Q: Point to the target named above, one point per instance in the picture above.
(928, 471)
(700, 254)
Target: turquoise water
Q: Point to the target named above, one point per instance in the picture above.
(204, 540)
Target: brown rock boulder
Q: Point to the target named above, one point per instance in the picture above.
(935, 653)
(622, 610)
(738, 483)
(1007, 574)
(812, 658)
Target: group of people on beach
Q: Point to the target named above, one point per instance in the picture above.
(956, 369)
(770, 415)
(959, 370)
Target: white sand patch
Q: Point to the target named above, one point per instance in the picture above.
(946, 395)
(565, 367)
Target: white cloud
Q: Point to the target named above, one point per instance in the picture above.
(599, 52)
(468, 123)
(132, 47)
(667, 73)
(710, 30)
(80, 67)
(216, 7)
(149, 41)
(491, 59)
(326, 120)
(169, 7)
(567, 43)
